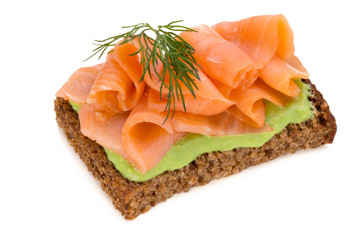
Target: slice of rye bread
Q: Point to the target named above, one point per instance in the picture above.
(134, 198)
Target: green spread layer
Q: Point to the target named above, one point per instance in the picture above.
(75, 106)
(193, 145)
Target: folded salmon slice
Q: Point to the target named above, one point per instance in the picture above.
(260, 37)
(208, 100)
(216, 125)
(78, 87)
(139, 136)
(117, 88)
(106, 133)
(250, 106)
(279, 73)
(220, 60)
(145, 136)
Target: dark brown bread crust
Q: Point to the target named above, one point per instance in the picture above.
(133, 198)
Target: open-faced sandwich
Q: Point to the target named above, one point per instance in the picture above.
(175, 110)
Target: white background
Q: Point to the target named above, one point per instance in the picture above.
(46, 191)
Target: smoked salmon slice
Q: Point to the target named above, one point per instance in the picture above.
(208, 100)
(106, 133)
(216, 125)
(250, 103)
(78, 87)
(117, 87)
(220, 59)
(260, 37)
(145, 136)
(279, 73)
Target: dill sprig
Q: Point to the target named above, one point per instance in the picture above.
(175, 54)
